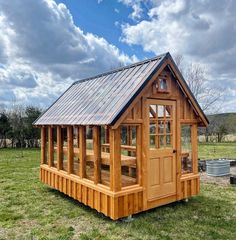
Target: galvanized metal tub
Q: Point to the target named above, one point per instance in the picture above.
(218, 168)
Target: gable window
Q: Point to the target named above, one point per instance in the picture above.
(161, 85)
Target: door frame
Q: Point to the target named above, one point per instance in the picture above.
(162, 101)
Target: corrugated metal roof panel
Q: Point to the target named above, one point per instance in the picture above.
(99, 100)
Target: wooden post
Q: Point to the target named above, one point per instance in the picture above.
(59, 148)
(82, 151)
(115, 160)
(50, 147)
(70, 149)
(178, 152)
(97, 153)
(145, 150)
(138, 154)
(43, 145)
(107, 138)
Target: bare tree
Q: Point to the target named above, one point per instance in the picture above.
(196, 77)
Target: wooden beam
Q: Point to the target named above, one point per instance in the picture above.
(145, 150)
(97, 153)
(70, 149)
(139, 154)
(43, 145)
(59, 148)
(82, 151)
(178, 151)
(50, 147)
(115, 160)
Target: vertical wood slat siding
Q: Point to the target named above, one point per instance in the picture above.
(70, 151)
(190, 187)
(59, 148)
(50, 147)
(82, 151)
(114, 207)
(97, 153)
(43, 145)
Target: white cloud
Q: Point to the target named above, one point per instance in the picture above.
(117, 10)
(42, 51)
(137, 10)
(203, 31)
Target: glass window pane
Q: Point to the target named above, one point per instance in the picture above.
(160, 109)
(161, 127)
(89, 153)
(162, 143)
(168, 111)
(168, 140)
(163, 84)
(168, 127)
(128, 156)
(186, 149)
(152, 141)
(152, 128)
(153, 111)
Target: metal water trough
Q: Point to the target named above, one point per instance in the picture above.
(218, 168)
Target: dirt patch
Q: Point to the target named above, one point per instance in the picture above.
(223, 181)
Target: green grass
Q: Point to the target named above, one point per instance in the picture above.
(217, 150)
(31, 210)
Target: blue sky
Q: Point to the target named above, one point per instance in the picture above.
(45, 45)
(104, 18)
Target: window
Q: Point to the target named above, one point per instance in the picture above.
(89, 153)
(161, 126)
(128, 155)
(64, 144)
(105, 149)
(161, 85)
(186, 149)
(76, 162)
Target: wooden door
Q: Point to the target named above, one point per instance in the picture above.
(162, 149)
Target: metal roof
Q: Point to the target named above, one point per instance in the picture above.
(99, 100)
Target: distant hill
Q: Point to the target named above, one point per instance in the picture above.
(227, 119)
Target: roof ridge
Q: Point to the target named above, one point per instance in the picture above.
(121, 68)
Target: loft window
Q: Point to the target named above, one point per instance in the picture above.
(163, 84)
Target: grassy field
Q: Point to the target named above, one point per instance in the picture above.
(31, 210)
(217, 150)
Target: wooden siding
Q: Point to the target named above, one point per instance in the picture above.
(121, 204)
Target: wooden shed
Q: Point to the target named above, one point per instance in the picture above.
(124, 141)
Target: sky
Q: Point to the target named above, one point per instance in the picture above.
(46, 45)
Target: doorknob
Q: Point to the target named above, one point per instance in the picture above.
(174, 151)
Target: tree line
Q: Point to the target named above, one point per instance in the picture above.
(16, 129)
(220, 125)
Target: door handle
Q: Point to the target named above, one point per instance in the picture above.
(174, 151)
